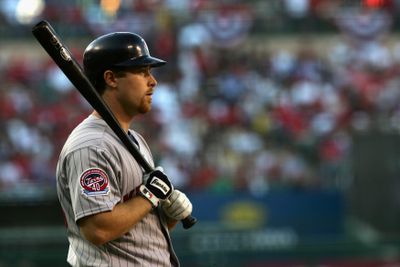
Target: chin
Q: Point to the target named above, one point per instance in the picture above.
(144, 110)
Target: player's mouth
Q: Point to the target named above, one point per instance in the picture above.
(149, 96)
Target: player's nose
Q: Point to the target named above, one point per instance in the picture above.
(152, 80)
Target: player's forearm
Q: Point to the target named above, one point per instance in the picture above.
(106, 226)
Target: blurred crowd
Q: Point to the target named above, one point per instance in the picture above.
(225, 116)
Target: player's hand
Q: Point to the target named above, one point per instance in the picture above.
(156, 186)
(178, 206)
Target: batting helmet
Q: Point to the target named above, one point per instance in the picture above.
(118, 49)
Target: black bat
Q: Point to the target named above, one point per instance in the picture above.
(50, 41)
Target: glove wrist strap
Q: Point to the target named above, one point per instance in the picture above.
(144, 192)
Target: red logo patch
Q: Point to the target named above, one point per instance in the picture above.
(94, 181)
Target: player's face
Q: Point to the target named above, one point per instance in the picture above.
(135, 91)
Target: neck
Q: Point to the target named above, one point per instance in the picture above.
(124, 123)
(115, 107)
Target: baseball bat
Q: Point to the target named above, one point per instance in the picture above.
(56, 49)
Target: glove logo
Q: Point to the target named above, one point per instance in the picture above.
(94, 182)
(159, 184)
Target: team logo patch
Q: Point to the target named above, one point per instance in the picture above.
(94, 182)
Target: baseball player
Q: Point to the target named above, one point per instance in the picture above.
(116, 215)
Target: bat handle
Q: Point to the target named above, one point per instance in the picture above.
(189, 221)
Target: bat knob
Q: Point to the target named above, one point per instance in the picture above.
(189, 221)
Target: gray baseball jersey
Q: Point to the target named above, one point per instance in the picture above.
(94, 173)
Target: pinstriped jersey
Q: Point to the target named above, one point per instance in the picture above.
(94, 173)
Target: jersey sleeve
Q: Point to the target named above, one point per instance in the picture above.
(93, 175)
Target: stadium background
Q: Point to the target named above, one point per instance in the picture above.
(279, 118)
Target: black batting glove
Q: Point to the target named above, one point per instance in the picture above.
(156, 187)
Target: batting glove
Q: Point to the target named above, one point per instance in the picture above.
(178, 206)
(156, 187)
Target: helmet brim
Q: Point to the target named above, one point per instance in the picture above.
(142, 61)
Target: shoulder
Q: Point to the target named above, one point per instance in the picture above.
(91, 132)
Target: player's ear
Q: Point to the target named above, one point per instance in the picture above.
(110, 78)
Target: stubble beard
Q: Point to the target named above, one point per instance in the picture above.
(145, 105)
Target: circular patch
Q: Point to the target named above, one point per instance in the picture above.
(94, 181)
